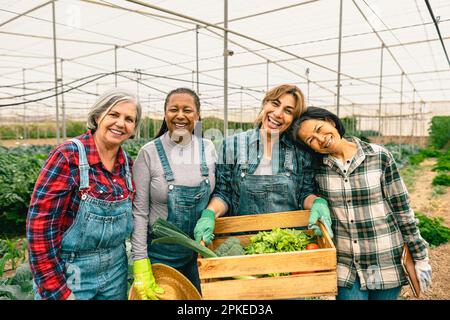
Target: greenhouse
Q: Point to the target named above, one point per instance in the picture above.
(382, 67)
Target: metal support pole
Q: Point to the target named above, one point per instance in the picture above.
(422, 122)
(353, 118)
(225, 70)
(413, 115)
(138, 77)
(307, 84)
(115, 65)
(148, 119)
(339, 59)
(24, 106)
(267, 75)
(55, 67)
(381, 90)
(241, 108)
(197, 57)
(63, 105)
(401, 112)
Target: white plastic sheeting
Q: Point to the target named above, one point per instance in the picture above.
(284, 42)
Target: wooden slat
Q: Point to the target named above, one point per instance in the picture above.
(267, 221)
(325, 240)
(320, 284)
(299, 261)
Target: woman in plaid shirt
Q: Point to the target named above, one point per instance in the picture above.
(80, 212)
(370, 210)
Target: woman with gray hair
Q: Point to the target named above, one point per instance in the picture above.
(81, 208)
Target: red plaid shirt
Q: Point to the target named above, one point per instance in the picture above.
(54, 205)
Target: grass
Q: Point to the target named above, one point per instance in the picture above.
(438, 191)
(409, 176)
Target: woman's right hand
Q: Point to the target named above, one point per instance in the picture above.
(144, 282)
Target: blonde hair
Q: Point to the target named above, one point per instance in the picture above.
(276, 93)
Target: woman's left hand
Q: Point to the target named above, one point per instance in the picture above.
(320, 212)
(423, 271)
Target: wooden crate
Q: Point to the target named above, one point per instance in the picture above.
(317, 267)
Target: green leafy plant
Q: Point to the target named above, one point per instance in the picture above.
(230, 247)
(278, 240)
(443, 163)
(439, 132)
(165, 232)
(19, 286)
(18, 174)
(442, 179)
(13, 251)
(432, 229)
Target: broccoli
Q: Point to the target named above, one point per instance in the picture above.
(230, 247)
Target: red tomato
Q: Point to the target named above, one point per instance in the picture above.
(312, 246)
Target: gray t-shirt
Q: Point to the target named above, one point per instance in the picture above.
(151, 187)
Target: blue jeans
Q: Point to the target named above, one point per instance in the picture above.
(355, 293)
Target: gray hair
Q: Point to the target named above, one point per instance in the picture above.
(107, 101)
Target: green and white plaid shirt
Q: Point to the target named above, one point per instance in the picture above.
(372, 217)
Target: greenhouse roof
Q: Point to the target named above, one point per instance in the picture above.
(391, 52)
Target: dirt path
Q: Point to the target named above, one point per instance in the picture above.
(424, 200)
(17, 143)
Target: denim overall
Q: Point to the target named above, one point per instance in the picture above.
(184, 206)
(93, 248)
(266, 193)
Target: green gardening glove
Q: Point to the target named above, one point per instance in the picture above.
(205, 226)
(320, 212)
(144, 281)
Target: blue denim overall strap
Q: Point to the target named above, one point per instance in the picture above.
(83, 164)
(84, 167)
(93, 247)
(168, 174)
(184, 206)
(268, 193)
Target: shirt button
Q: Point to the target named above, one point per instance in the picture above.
(352, 221)
(348, 161)
(348, 201)
(354, 241)
(345, 171)
(121, 195)
(114, 180)
(346, 180)
(101, 191)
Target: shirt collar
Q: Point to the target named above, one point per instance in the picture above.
(363, 149)
(92, 154)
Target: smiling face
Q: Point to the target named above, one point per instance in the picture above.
(181, 114)
(321, 136)
(117, 124)
(278, 114)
